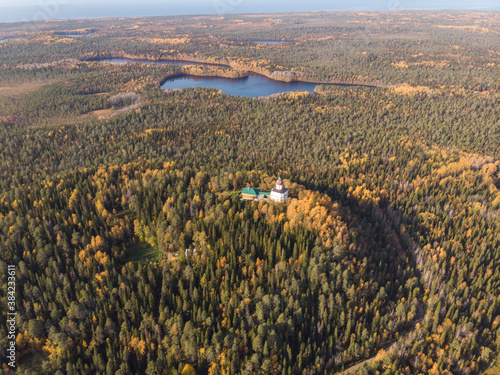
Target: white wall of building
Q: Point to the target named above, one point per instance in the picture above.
(279, 197)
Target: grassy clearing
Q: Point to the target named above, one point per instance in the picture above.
(17, 90)
(100, 113)
(109, 112)
(12, 96)
(144, 253)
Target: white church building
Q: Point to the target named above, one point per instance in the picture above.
(279, 193)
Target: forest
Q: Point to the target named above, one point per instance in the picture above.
(121, 209)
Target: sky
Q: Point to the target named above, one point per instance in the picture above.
(29, 10)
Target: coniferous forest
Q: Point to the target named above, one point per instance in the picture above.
(121, 209)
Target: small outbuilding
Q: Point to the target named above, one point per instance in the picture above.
(250, 193)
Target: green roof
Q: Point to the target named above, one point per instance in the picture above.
(265, 192)
(250, 191)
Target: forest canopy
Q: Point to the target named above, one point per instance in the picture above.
(121, 209)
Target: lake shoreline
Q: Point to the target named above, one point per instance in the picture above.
(247, 71)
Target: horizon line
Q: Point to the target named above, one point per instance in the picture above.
(445, 9)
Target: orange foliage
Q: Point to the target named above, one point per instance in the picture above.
(137, 345)
(317, 212)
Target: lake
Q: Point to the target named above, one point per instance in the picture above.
(164, 62)
(252, 86)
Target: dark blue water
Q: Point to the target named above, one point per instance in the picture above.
(169, 62)
(252, 86)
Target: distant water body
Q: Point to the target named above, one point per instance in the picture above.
(71, 9)
(154, 62)
(74, 35)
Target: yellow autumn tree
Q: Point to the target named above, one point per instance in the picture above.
(188, 370)
(73, 199)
